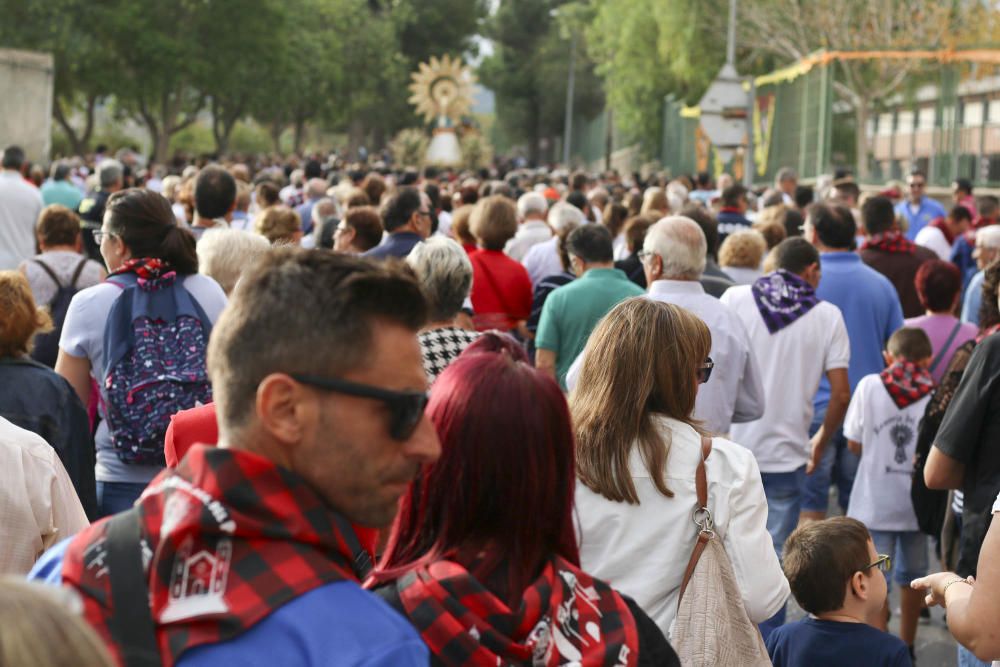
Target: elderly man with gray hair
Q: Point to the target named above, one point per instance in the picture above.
(673, 257)
(58, 189)
(445, 274)
(110, 178)
(531, 210)
(542, 259)
(315, 190)
(325, 216)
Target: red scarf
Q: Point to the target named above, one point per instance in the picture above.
(891, 242)
(146, 268)
(566, 617)
(210, 525)
(906, 383)
(942, 224)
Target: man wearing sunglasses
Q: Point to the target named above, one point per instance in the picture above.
(918, 209)
(319, 383)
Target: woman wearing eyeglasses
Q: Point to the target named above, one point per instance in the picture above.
(638, 449)
(482, 558)
(145, 249)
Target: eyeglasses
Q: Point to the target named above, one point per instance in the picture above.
(917, 185)
(99, 235)
(705, 371)
(884, 563)
(643, 255)
(405, 407)
(340, 229)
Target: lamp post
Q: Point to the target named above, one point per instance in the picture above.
(570, 82)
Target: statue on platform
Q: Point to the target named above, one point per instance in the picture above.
(442, 93)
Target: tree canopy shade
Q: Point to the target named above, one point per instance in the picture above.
(342, 63)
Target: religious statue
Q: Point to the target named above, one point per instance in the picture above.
(442, 93)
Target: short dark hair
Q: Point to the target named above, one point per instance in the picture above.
(910, 343)
(60, 170)
(958, 213)
(988, 205)
(703, 178)
(367, 226)
(578, 199)
(795, 255)
(804, 195)
(821, 557)
(313, 169)
(834, 224)
(58, 225)
(578, 181)
(793, 223)
(635, 231)
(214, 192)
(938, 283)
(732, 195)
(963, 184)
(918, 172)
(878, 215)
(848, 189)
(144, 221)
(399, 208)
(709, 226)
(304, 311)
(591, 243)
(13, 157)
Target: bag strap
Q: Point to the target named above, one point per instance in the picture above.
(702, 512)
(131, 625)
(944, 348)
(77, 272)
(48, 270)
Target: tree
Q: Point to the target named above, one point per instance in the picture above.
(647, 49)
(793, 29)
(84, 70)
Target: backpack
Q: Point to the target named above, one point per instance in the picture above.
(47, 345)
(712, 625)
(155, 341)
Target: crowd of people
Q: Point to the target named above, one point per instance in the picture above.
(309, 412)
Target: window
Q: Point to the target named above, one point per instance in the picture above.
(972, 114)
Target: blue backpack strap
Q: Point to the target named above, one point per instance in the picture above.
(118, 328)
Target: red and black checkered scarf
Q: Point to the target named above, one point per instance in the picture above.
(891, 242)
(146, 268)
(566, 617)
(232, 537)
(906, 382)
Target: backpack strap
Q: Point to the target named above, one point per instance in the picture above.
(702, 516)
(131, 625)
(944, 348)
(77, 272)
(48, 270)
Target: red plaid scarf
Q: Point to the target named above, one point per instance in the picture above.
(146, 268)
(892, 242)
(232, 537)
(566, 617)
(906, 383)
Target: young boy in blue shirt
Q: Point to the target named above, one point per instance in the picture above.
(836, 575)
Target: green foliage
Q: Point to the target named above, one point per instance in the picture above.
(528, 70)
(409, 147)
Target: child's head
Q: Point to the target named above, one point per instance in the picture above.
(829, 568)
(909, 344)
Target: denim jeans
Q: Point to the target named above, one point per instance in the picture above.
(784, 494)
(967, 658)
(838, 466)
(115, 497)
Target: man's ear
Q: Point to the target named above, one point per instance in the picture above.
(860, 585)
(285, 409)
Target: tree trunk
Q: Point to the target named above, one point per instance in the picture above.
(355, 136)
(275, 130)
(299, 132)
(161, 145)
(80, 141)
(861, 137)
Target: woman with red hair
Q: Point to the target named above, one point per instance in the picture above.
(483, 558)
(939, 287)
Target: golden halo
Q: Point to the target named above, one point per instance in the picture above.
(442, 87)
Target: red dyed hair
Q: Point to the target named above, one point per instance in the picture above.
(499, 500)
(938, 283)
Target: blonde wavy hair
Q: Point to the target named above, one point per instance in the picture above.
(744, 249)
(642, 360)
(20, 318)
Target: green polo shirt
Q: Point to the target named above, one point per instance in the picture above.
(572, 311)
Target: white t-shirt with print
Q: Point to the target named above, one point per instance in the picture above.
(792, 363)
(880, 498)
(83, 336)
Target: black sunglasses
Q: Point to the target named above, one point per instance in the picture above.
(705, 371)
(405, 407)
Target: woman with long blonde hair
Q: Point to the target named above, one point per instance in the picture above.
(638, 448)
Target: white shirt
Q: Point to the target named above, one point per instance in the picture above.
(529, 234)
(83, 336)
(20, 204)
(792, 363)
(542, 260)
(734, 393)
(934, 239)
(880, 497)
(37, 501)
(742, 275)
(642, 550)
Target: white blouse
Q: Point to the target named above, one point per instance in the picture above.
(642, 550)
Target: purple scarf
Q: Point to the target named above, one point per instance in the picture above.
(782, 297)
